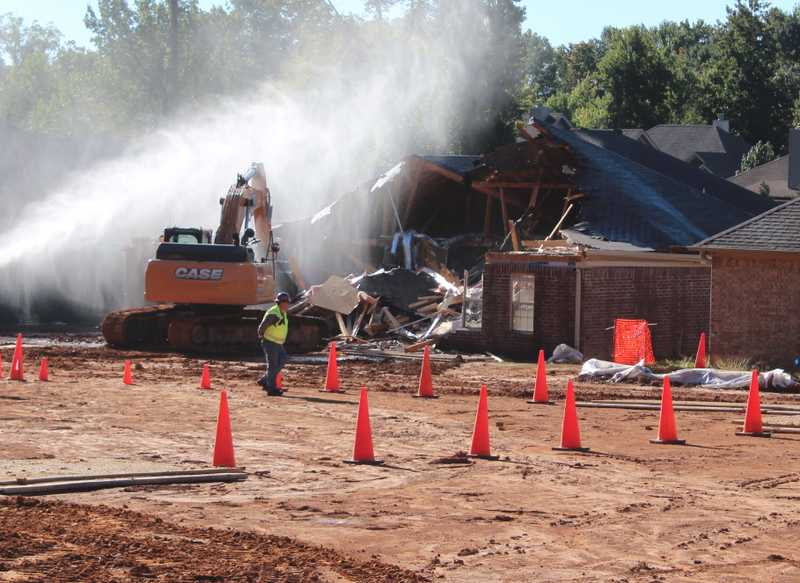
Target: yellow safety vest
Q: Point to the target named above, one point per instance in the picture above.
(277, 332)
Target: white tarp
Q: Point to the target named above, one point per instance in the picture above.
(566, 354)
(705, 377)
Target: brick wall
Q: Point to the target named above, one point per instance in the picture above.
(554, 313)
(753, 312)
(675, 298)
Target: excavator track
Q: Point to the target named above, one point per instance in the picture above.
(139, 327)
(218, 334)
(168, 326)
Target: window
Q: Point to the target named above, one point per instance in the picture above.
(522, 303)
(473, 306)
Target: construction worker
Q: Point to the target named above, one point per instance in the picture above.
(272, 331)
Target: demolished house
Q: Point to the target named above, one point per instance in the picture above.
(555, 238)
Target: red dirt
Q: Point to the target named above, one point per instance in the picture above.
(721, 508)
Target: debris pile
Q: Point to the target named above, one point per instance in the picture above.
(412, 307)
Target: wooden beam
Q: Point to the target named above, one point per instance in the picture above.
(558, 226)
(514, 239)
(411, 198)
(566, 201)
(459, 179)
(504, 210)
(418, 345)
(546, 244)
(534, 194)
(340, 321)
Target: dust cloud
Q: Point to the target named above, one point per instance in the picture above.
(316, 144)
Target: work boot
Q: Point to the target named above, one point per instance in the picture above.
(263, 382)
(274, 392)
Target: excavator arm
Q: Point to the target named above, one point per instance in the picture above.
(244, 201)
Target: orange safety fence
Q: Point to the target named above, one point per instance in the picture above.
(632, 342)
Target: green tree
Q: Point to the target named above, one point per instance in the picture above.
(478, 43)
(538, 56)
(379, 7)
(573, 65)
(586, 105)
(686, 47)
(759, 154)
(638, 77)
(741, 78)
(30, 80)
(18, 42)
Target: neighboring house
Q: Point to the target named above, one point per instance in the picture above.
(710, 147)
(774, 174)
(637, 135)
(558, 120)
(755, 276)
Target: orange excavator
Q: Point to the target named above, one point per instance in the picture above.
(205, 291)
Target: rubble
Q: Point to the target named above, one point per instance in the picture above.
(412, 308)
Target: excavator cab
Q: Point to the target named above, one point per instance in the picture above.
(184, 235)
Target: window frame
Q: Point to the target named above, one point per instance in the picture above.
(514, 315)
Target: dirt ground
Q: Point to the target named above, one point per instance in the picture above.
(720, 508)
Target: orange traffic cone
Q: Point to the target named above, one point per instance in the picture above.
(127, 378)
(43, 371)
(362, 449)
(279, 382)
(540, 396)
(332, 378)
(480, 434)
(570, 432)
(205, 382)
(425, 380)
(700, 361)
(667, 432)
(223, 444)
(752, 418)
(17, 372)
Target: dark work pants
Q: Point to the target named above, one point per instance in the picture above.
(276, 358)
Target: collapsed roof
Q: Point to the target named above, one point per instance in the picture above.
(450, 210)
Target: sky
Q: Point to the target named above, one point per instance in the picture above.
(570, 21)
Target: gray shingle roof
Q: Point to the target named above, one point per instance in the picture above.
(775, 230)
(775, 174)
(629, 203)
(720, 151)
(719, 188)
(456, 164)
